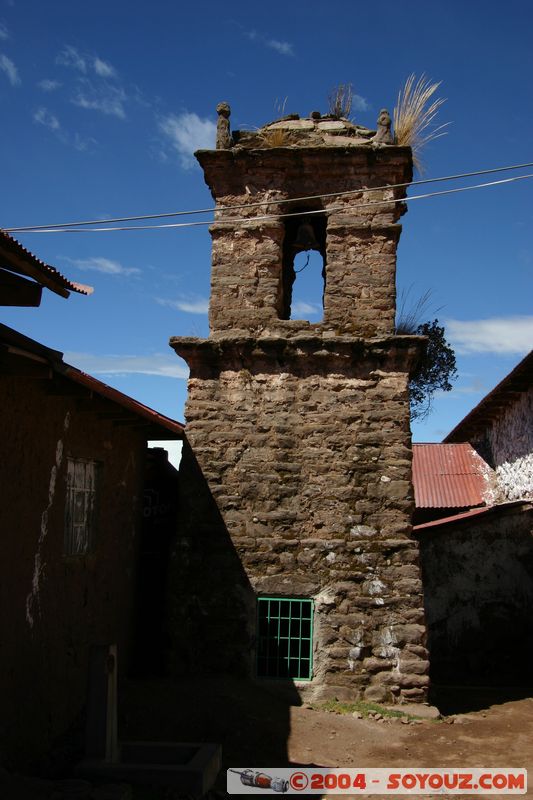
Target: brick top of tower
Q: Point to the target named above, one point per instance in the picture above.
(345, 185)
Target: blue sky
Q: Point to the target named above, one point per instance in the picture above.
(104, 104)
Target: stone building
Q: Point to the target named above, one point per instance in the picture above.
(477, 569)
(500, 428)
(477, 562)
(295, 563)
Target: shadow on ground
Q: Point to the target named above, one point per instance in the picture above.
(465, 699)
(252, 723)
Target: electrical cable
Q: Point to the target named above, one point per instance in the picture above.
(267, 217)
(35, 228)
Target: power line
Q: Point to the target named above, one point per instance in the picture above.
(266, 217)
(49, 228)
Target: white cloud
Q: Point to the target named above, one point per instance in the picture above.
(48, 85)
(106, 99)
(80, 142)
(44, 117)
(83, 62)
(103, 68)
(360, 103)
(157, 364)
(301, 307)
(188, 132)
(7, 66)
(285, 48)
(4, 33)
(70, 57)
(105, 265)
(494, 335)
(477, 388)
(280, 46)
(190, 305)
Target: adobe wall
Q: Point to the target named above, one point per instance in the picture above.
(296, 481)
(510, 439)
(478, 594)
(52, 607)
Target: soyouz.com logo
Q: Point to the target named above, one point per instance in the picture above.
(398, 781)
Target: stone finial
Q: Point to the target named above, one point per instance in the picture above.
(384, 135)
(223, 131)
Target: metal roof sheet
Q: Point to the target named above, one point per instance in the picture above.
(449, 476)
(15, 257)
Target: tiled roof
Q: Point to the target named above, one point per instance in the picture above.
(449, 476)
(15, 258)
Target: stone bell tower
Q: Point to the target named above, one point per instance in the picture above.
(295, 560)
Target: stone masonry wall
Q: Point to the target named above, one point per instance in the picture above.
(478, 586)
(296, 477)
(296, 481)
(360, 245)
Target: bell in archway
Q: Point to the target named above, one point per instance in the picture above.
(305, 237)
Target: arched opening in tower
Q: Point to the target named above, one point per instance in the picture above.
(307, 302)
(304, 268)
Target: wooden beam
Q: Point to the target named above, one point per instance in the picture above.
(24, 266)
(66, 389)
(17, 291)
(23, 367)
(134, 422)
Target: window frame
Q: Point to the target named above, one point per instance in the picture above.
(74, 544)
(263, 657)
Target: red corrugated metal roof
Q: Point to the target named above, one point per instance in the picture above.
(16, 258)
(448, 476)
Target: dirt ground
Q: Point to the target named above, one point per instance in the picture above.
(258, 729)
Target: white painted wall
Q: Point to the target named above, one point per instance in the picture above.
(511, 441)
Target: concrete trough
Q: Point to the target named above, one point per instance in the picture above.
(189, 767)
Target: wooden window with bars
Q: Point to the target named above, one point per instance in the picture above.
(80, 509)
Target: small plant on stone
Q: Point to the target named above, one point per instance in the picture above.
(340, 100)
(276, 137)
(280, 105)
